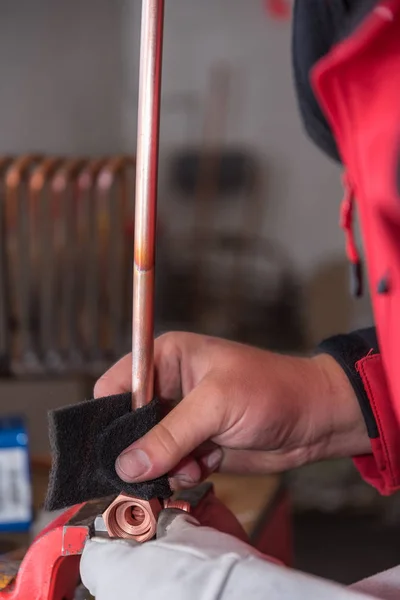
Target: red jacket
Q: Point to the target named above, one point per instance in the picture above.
(356, 85)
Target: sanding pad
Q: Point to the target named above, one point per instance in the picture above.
(86, 439)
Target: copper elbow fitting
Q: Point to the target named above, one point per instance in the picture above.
(132, 518)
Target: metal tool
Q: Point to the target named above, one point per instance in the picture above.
(21, 218)
(50, 568)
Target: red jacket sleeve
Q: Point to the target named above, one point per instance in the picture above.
(358, 355)
(381, 468)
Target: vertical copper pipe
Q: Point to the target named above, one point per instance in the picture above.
(146, 200)
(115, 171)
(5, 338)
(43, 249)
(20, 220)
(87, 186)
(64, 187)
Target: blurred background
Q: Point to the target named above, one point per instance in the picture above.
(249, 246)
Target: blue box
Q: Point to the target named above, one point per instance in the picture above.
(16, 512)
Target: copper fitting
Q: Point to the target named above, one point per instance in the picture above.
(132, 518)
(177, 505)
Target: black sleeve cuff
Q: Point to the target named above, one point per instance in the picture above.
(347, 350)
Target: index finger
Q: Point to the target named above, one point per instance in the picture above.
(118, 379)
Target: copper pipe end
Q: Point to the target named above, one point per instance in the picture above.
(89, 175)
(20, 168)
(132, 518)
(113, 168)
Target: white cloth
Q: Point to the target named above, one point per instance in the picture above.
(196, 563)
(385, 586)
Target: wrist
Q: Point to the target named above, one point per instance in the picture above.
(345, 430)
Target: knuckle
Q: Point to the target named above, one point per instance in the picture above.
(167, 441)
(165, 344)
(219, 388)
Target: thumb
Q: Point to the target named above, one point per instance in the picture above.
(192, 422)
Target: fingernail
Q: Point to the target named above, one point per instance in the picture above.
(132, 464)
(214, 459)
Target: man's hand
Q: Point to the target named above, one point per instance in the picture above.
(238, 409)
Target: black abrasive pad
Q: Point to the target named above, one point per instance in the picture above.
(86, 439)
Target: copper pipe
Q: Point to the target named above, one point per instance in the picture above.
(87, 182)
(39, 201)
(5, 163)
(113, 173)
(88, 177)
(146, 201)
(64, 181)
(16, 179)
(5, 301)
(17, 175)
